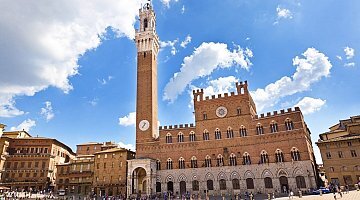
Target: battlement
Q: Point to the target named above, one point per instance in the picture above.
(276, 113)
(241, 89)
(174, 127)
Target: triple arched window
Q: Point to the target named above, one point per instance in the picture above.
(229, 132)
(192, 136)
(233, 160)
(180, 137)
(242, 131)
(273, 127)
(220, 160)
(168, 138)
(206, 135)
(207, 161)
(295, 154)
(194, 162)
(217, 134)
(264, 157)
(158, 165)
(279, 156)
(169, 164)
(246, 159)
(259, 129)
(289, 124)
(181, 163)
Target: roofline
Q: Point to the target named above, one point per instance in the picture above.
(45, 138)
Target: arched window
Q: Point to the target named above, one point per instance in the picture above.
(210, 184)
(180, 137)
(233, 160)
(158, 165)
(158, 187)
(273, 127)
(195, 185)
(246, 159)
(249, 183)
(217, 134)
(289, 124)
(169, 164)
(229, 132)
(194, 162)
(357, 168)
(236, 184)
(268, 182)
(206, 135)
(295, 154)
(279, 156)
(220, 160)
(168, 138)
(242, 131)
(181, 163)
(300, 182)
(259, 129)
(264, 157)
(222, 183)
(192, 136)
(207, 161)
(145, 24)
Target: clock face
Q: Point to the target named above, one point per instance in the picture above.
(221, 111)
(144, 125)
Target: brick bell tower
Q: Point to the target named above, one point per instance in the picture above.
(147, 43)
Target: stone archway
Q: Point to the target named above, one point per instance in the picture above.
(139, 180)
(284, 185)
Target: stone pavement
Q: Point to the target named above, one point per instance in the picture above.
(352, 195)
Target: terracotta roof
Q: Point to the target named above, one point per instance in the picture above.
(89, 143)
(342, 138)
(116, 149)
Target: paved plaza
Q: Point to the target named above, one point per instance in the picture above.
(352, 195)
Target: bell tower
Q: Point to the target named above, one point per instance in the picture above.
(147, 43)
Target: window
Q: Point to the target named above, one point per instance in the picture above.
(331, 169)
(36, 164)
(264, 157)
(158, 165)
(289, 124)
(327, 146)
(168, 138)
(236, 184)
(233, 160)
(181, 163)
(279, 156)
(206, 135)
(105, 156)
(340, 154)
(192, 136)
(259, 129)
(204, 116)
(230, 133)
(246, 159)
(169, 164)
(268, 182)
(145, 23)
(194, 162)
(98, 166)
(300, 182)
(273, 127)
(104, 165)
(338, 144)
(217, 134)
(353, 153)
(249, 183)
(210, 184)
(242, 131)
(158, 187)
(222, 184)
(238, 111)
(328, 155)
(220, 160)
(349, 144)
(207, 161)
(180, 137)
(295, 154)
(195, 185)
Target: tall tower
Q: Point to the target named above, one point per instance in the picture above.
(147, 43)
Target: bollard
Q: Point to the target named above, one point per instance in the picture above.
(269, 196)
(320, 192)
(300, 194)
(357, 187)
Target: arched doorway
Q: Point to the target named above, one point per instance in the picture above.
(182, 187)
(284, 184)
(170, 186)
(140, 183)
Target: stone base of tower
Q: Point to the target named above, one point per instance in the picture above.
(141, 177)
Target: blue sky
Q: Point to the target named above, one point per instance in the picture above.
(68, 68)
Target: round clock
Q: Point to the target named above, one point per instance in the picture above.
(221, 111)
(144, 125)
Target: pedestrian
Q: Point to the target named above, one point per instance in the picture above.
(334, 193)
(347, 188)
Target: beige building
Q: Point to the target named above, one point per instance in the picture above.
(110, 169)
(340, 151)
(229, 149)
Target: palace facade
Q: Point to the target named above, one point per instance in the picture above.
(229, 149)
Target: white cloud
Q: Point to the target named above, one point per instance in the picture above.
(171, 44)
(204, 60)
(167, 2)
(25, 125)
(94, 101)
(127, 146)
(128, 120)
(183, 9)
(309, 70)
(41, 42)
(283, 13)
(339, 57)
(186, 41)
(351, 64)
(309, 105)
(47, 111)
(105, 81)
(349, 52)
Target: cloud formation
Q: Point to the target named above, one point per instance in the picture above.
(204, 60)
(186, 41)
(127, 146)
(310, 105)
(47, 111)
(349, 52)
(167, 2)
(40, 45)
(128, 120)
(283, 13)
(310, 68)
(25, 125)
(171, 44)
